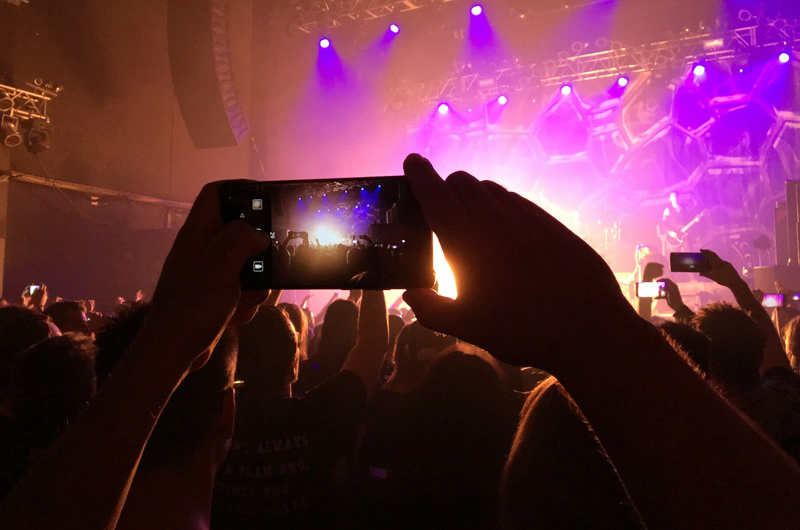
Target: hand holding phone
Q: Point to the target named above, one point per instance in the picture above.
(772, 300)
(689, 262)
(655, 290)
(382, 210)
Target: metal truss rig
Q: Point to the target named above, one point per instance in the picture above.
(26, 104)
(320, 15)
(620, 60)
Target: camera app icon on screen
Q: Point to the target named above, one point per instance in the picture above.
(257, 204)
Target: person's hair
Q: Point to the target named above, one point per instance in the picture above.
(791, 341)
(690, 342)
(193, 407)
(300, 323)
(557, 474)
(410, 342)
(396, 325)
(68, 316)
(737, 345)
(20, 328)
(339, 334)
(51, 383)
(463, 429)
(268, 351)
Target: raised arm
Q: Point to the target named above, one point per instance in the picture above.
(671, 437)
(675, 302)
(366, 357)
(82, 480)
(725, 274)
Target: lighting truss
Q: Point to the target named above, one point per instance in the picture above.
(319, 15)
(28, 104)
(620, 60)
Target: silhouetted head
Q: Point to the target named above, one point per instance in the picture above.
(737, 345)
(20, 328)
(557, 475)
(416, 348)
(268, 352)
(791, 342)
(51, 383)
(200, 411)
(690, 341)
(69, 317)
(339, 332)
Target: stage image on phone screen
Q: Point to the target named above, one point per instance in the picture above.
(364, 233)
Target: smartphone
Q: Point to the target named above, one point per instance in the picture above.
(772, 300)
(311, 225)
(651, 290)
(33, 288)
(688, 262)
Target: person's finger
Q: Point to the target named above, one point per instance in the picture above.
(472, 193)
(232, 245)
(441, 207)
(434, 312)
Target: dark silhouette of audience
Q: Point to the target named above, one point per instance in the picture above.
(638, 427)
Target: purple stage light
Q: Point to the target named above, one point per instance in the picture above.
(623, 82)
(699, 70)
(394, 28)
(784, 58)
(566, 90)
(502, 100)
(324, 43)
(476, 10)
(443, 108)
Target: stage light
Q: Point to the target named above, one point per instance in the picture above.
(476, 10)
(324, 43)
(623, 82)
(566, 90)
(443, 108)
(502, 100)
(784, 57)
(699, 70)
(394, 28)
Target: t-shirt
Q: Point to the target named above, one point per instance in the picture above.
(279, 472)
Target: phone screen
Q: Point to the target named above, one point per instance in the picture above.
(688, 262)
(650, 290)
(33, 288)
(366, 233)
(772, 300)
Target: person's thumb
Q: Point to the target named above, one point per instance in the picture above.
(437, 313)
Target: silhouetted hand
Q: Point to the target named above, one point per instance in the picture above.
(139, 295)
(198, 293)
(674, 298)
(511, 298)
(39, 298)
(722, 272)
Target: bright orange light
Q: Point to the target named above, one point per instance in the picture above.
(447, 282)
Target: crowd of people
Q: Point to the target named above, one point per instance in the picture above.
(357, 263)
(510, 407)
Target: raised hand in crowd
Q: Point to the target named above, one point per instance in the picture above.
(675, 301)
(86, 474)
(38, 299)
(670, 436)
(724, 273)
